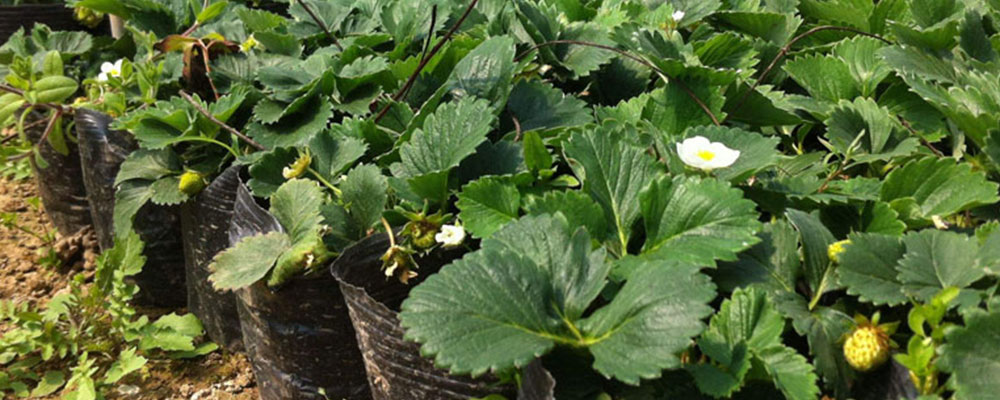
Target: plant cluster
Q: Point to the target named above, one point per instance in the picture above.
(658, 199)
(88, 337)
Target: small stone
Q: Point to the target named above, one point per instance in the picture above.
(128, 390)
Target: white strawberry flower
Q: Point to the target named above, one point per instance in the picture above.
(677, 16)
(450, 235)
(699, 152)
(109, 69)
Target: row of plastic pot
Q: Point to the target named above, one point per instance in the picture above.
(331, 335)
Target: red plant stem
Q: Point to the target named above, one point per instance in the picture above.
(208, 68)
(53, 106)
(426, 59)
(906, 124)
(784, 51)
(48, 128)
(640, 60)
(321, 24)
(221, 124)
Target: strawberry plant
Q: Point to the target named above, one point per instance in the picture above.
(656, 199)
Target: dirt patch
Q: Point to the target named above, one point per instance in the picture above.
(24, 278)
(215, 376)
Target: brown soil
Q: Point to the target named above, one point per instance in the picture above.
(23, 278)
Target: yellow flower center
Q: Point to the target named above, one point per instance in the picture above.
(836, 249)
(705, 155)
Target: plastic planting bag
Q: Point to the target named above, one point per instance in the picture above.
(396, 370)
(60, 183)
(102, 151)
(299, 338)
(205, 221)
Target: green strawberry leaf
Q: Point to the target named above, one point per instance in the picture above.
(649, 321)
(937, 187)
(971, 353)
(935, 260)
(266, 172)
(537, 105)
(824, 77)
(148, 165)
(824, 328)
(772, 264)
(868, 268)
(613, 172)
(485, 73)
(293, 129)
(247, 261)
(578, 208)
(874, 132)
(721, 377)
(672, 111)
(697, 220)
(792, 373)
(332, 154)
(451, 134)
(166, 191)
(296, 206)
(487, 204)
(129, 198)
(861, 56)
(364, 192)
(524, 302)
(816, 239)
(583, 60)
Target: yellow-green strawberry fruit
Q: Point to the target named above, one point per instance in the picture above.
(191, 183)
(866, 348)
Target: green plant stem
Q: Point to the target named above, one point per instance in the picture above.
(325, 182)
(213, 141)
(20, 123)
(30, 232)
(822, 288)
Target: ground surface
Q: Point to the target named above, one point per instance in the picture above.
(23, 278)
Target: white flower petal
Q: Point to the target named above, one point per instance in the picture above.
(102, 77)
(107, 67)
(450, 235)
(677, 16)
(699, 152)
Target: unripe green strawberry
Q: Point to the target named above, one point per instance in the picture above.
(424, 239)
(88, 17)
(191, 183)
(867, 347)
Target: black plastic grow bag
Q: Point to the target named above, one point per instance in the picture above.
(56, 16)
(205, 221)
(396, 370)
(102, 151)
(299, 338)
(60, 183)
